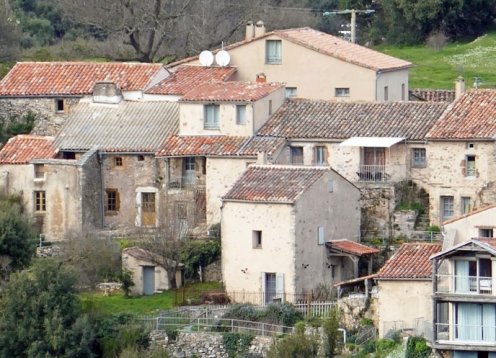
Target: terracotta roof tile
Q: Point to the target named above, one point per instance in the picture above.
(22, 149)
(328, 45)
(300, 118)
(274, 183)
(472, 116)
(410, 261)
(235, 91)
(74, 78)
(219, 146)
(432, 95)
(185, 78)
(351, 247)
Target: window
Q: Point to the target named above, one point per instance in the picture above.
(291, 92)
(211, 116)
(419, 158)
(39, 171)
(69, 155)
(470, 166)
(273, 287)
(59, 106)
(273, 51)
(296, 155)
(447, 207)
(112, 202)
(118, 161)
(40, 201)
(470, 145)
(320, 235)
(241, 114)
(341, 92)
(270, 107)
(189, 170)
(256, 239)
(386, 93)
(486, 232)
(319, 155)
(465, 204)
(141, 158)
(403, 92)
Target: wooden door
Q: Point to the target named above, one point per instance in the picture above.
(148, 209)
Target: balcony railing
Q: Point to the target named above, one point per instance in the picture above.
(464, 284)
(464, 333)
(185, 182)
(373, 173)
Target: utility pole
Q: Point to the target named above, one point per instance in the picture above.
(353, 13)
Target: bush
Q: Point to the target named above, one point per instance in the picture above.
(296, 345)
(331, 326)
(127, 282)
(416, 347)
(275, 313)
(198, 253)
(237, 343)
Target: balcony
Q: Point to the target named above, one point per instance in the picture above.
(186, 183)
(469, 285)
(373, 173)
(465, 334)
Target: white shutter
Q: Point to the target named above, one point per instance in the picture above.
(280, 286)
(264, 286)
(320, 235)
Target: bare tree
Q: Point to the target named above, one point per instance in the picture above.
(9, 33)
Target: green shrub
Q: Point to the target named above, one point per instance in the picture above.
(172, 333)
(126, 279)
(331, 332)
(434, 228)
(196, 253)
(366, 322)
(281, 313)
(243, 312)
(296, 345)
(237, 343)
(416, 347)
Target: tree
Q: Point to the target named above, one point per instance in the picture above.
(41, 314)
(17, 236)
(9, 34)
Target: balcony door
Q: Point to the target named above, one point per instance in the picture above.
(475, 322)
(473, 276)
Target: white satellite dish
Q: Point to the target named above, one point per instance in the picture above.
(206, 58)
(222, 58)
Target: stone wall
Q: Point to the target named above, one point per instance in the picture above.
(352, 309)
(377, 208)
(213, 272)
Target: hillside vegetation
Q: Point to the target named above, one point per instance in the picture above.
(439, 68)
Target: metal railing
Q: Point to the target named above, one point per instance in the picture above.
(464, 284)
(465, 333)
(184, 182)
(373, 173)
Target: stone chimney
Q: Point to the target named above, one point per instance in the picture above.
(259, 29)
(261, 78)
(250, 31)
(262, 158)
(106, 92)
(459, 87)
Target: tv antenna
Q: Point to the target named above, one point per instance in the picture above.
(353, 13)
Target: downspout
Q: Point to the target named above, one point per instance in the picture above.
(102, 191)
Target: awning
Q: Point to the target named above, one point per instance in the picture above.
(382, 142)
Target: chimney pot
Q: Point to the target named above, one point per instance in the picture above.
(261, 78)
(459, 87)
(259, 29)
(250, 31)
(262, 158)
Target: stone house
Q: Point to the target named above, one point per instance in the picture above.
(464, 300)
(51, 89)
(460, 157)
(302, 57)
(148, 275)
(276, 221)
(60, 194)
(404, 288)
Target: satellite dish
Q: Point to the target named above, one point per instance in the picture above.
(206, 58)
(222, 58)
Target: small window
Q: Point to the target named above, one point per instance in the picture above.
(39, 171)
(419, 158)
(470, 145)
(59, 106)
(319, 155)
(403, 92)
(470, 166)
(386, 93)
(296, 155)
(141, 158)
(182, 210)
(40, 201)
(320, 235)
(270, 107)
(273, 52)
(118, 161)
(241, 114)
(341, 92)
(256, 239)
(69, 155)
(466, 206)
(447, 207)
(291, 92)
(112, 202)
(211, 116)
(486, 232)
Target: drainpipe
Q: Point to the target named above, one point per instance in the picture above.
(102, 191)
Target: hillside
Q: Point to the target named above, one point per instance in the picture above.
(439, 68)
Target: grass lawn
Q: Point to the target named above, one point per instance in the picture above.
(142, 305)
(439, 69)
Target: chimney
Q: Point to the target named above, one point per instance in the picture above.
(261, 158)
(106, 92)
(459, 87)
(250, 31)
(261, 78)
(259, 29)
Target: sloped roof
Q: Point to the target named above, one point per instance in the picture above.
(472, 213)
(351, 247)
(218, 146)
(185, 78)
(328, 45)
(127, 126)
(74, 78)
(231, 91)
(23, 148)
(485, 244)
(472, 116)
(303, 118)
(410, 261)
(274, 183)
(432, 95)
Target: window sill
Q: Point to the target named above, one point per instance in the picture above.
(39, 213)
(111, 213)
(39, 180)
(211, 128)
(419, 166)
(257, 247)
(273, 62)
